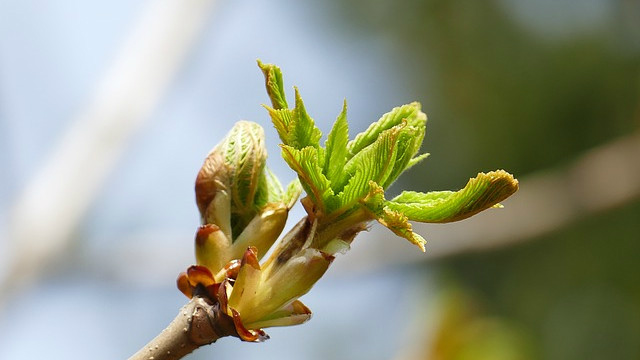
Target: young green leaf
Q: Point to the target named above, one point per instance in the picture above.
(336, 148)
(295, 127)
(282, 120)
(292, 193)
(395, 221)
(399, 224)
(246, 153)
(270, 190)
(274, 84)
(304, 131)
(373, 163)
(408, 144)
(305, 163)
(480, 193)
(410, 112)
(416, 160)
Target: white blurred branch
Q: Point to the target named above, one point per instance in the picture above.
(57, 197)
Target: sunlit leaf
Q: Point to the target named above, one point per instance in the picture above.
(374, 163)
(274, 84)
(292, 193)
(407, 146)
(480, 193)
(282, 120)
(294, 126)
(304, 131)
(416, 160)
(305, 163)
(395, 221)
(336, 147)
(410, 112)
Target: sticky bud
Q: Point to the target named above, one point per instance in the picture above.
(235, 168)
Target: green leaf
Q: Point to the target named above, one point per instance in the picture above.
(374, 163)
(293, 192)
(295, 127)
(480, 193)
(354, 190)
(274, 84)
(282, 120)
(304, 129)
(398, 223)
(395, 221)
(305, 163)
(416, 160)
(336, 147)
(270, 189)
(410, 112)
(408, 143)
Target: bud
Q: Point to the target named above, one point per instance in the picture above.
(285, 283)
(244, 208)
(235, 168)
(212, 247)
(253, 298)
(262, 231)
(269, 297)
(241, 203)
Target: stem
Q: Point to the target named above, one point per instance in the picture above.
(198, 323)
(333, 228)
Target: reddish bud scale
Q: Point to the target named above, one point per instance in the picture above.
(203, 233)
(232, 268)
(200, 275)
(244, 333)
(197, 276)
(250, 258)
(183, 285)
(209, 180)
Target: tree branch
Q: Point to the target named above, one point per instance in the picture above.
(198, 323)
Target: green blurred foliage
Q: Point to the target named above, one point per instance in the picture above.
(465, 331)
(499, 95)
(576, 290)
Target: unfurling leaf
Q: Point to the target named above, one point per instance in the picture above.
(274, 84)
(295, 127)
(293, 192)
(336, 148)
(305, 163)
(378, 162)
(482, 192)
(393, 220)
(410, 113)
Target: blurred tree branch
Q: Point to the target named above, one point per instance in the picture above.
(52, 204)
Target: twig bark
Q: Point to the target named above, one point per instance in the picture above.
(198, 323)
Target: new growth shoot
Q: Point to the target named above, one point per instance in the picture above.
(244, 207)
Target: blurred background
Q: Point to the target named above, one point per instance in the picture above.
(108, 109)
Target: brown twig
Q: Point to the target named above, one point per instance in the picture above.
(198, 323)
